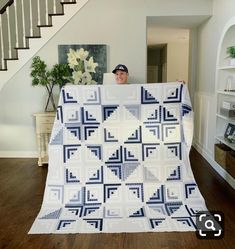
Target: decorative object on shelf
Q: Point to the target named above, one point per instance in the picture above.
(231, 54)
(228, 105)
(225, 157)
(230, 133)
(87, 63)
(221, 151)
(230, 84)
(228, 109)
(57, 75)
(227, 113)
(230, 163)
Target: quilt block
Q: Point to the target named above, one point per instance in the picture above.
(119, 161)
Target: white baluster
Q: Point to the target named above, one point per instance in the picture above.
(47, 19)
(16, 24)
(39, 12)
(9, 33)
(31, 17)
(54, 6)
(2, 44)
(23, 23)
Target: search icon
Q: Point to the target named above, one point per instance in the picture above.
(209, 224)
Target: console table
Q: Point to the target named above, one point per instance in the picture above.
(44, 124)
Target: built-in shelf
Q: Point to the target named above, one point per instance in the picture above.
(226, 93)
(231, 120)
(225, 79)
(226, 67)
(222, 140)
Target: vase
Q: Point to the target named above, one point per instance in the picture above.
(232, 62)
(50, 99)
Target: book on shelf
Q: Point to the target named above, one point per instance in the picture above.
(227, 113)
(228, 105)
(229, 134)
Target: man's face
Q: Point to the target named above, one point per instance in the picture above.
(121, 77)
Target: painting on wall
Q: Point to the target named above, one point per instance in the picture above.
(92, 63)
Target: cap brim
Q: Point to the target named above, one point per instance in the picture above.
(115, 70)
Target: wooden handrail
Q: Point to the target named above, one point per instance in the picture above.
(8, 3)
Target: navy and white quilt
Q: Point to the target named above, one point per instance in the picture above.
(119, 161)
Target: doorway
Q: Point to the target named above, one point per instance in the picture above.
(167, 54)
(189, 23)
(157, 63)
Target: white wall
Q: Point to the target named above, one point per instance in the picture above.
(3, 3)
(119, 24)
(209, 36)
(177, 61)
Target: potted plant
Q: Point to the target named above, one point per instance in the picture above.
(60, 74)
(231, 54)
(57, 75)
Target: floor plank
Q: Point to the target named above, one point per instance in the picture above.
(22, 187)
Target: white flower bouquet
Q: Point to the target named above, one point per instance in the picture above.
(82, 67)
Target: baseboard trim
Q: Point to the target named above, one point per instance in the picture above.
(224, 174)
(18, 154)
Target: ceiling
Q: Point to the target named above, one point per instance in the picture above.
(164, 29)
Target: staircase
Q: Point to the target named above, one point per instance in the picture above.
(26, 26)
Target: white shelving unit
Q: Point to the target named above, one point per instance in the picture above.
(225, 81)
(227, 92)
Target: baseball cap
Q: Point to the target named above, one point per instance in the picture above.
(120, 67)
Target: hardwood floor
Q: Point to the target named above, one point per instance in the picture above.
(21, 192)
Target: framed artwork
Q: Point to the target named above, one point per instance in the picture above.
(98, 52)
(230, 132)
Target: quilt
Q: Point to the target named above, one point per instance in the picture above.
(119, 161)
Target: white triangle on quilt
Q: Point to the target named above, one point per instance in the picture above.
(135, 224)
(182, 223)
(43, 227)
